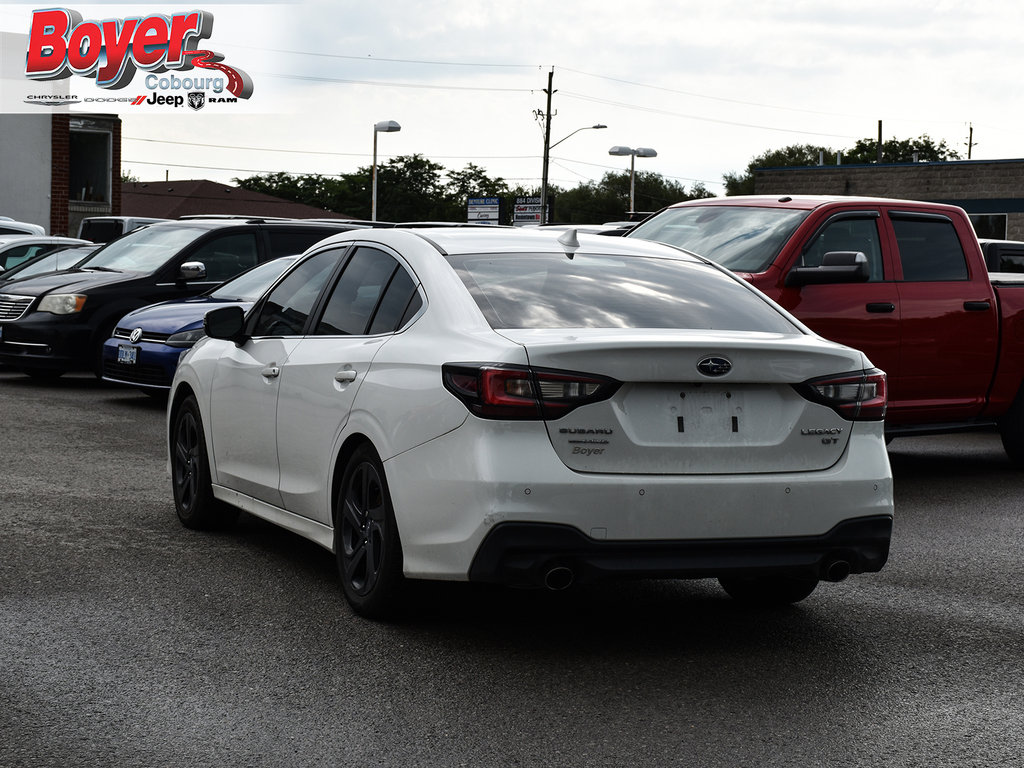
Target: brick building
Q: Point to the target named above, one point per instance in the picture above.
(991, 191)
(60, 168)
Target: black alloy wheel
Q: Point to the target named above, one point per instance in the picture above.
(366, 542)
(190, 473)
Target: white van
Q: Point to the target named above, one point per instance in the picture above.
(9, 226)
(103, 229)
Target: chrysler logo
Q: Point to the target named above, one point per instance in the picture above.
(714, 366)
(135, 335)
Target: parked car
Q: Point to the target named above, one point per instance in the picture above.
(147, 343)
(103, 229)
(63, 257)
(515, 407)
(17, 249)
(9, 226)
(54, 323)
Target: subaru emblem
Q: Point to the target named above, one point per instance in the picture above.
(135, 335)
(714, 366)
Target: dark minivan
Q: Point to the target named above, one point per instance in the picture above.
(55, 323)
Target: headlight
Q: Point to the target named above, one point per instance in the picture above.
(62, 303)
(185, 338)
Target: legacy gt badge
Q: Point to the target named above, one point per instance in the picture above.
(714, 366)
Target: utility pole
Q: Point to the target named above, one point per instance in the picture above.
(879, 141)
(547, 151)
(970, 139)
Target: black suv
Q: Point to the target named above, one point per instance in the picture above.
(58, 322)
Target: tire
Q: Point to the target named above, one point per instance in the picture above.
(190, 474)
(769, 590)
(1011, 431)
(366, 541)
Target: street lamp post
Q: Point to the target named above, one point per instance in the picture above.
(384, 126)
(633, 155)
(548, 146)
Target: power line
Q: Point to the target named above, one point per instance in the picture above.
(656, 111)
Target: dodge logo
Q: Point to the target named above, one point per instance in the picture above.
(714, 366)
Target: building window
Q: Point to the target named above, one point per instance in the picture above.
(989, 226)
(89, 166)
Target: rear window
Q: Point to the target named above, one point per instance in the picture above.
(743, 239)
(600, 291)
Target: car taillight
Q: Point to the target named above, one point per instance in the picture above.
(495, 391)
(857, 396)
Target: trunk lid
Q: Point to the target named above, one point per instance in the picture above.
(670, 418)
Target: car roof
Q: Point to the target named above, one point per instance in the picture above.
(6, 240)
(222, 222)
(496, 240)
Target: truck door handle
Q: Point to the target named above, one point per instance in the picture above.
(271, 372)
(978, 306)
(881, 307)
(345, 376)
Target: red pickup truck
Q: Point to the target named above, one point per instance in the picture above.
(903, 281)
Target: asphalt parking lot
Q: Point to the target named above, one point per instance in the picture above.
(127, 640)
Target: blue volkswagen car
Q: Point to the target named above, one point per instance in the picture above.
(148, 342)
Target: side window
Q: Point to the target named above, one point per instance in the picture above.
(290, 242)
(356, 295)
(848, 235)
(397, 306)
(929, 250)
(288, 305)
(226, 256)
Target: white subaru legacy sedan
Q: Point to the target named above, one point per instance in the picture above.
(534, 409)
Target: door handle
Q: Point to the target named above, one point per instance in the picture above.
(978, 306)
(345, 376)
(881, 307)
(271, 372)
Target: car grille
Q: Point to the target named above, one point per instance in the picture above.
(157, 338)
(153, 375)
(13, 307)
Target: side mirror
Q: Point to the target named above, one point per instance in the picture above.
(836, 267)
(226, 323)
(192, 270)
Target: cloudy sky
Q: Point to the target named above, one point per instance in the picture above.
(707, 85)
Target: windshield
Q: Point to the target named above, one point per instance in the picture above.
(51, 262)
(547, 290)
(252, 284)
(743, 239)
(144, 250)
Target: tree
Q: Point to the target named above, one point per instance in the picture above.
(608, 199)
(788, 157)
(900, 151)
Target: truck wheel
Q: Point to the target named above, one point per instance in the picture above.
(1011, 430)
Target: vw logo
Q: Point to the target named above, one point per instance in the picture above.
(714, 366)
(135, 335)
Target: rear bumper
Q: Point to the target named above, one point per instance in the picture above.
(526, 554)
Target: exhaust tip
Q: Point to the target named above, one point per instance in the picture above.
(837, 570)
(559, 578)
